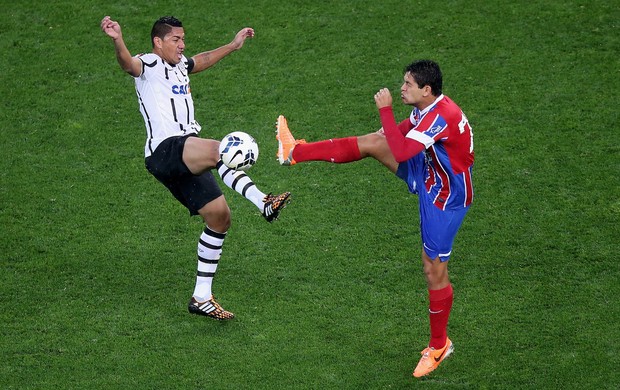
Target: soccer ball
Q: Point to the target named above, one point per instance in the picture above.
(238, 151)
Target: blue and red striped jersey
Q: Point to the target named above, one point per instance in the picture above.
(447, 135)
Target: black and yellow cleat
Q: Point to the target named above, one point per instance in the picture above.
(274, 204)
(209, 308)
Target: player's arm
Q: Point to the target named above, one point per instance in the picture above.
(402, 148)
(129, 64)
(405, 126)
(207, 59)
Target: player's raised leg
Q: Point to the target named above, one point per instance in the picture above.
(200, 155)
(291, 151)
(286, 142)
(269, 205)
(335, 150)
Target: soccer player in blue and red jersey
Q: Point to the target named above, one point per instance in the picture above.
(433, 152)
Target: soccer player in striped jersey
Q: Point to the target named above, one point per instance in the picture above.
(433, 152)
(176, 155)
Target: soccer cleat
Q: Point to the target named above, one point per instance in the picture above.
(274, 204)
(209, 308)
(431, 358)
(286, 142)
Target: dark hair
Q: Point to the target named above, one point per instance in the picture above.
(426, 72)
(163, 26)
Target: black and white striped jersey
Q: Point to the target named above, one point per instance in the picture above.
(165, 100)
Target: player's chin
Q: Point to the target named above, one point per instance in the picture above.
(407, 102)
(176, 59)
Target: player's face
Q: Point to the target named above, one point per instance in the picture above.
(172, 46)
(411, 93)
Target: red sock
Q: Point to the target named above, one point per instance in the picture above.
(340, 150)
(440, 304)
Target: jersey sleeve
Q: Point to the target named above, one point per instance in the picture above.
(402, 148)
(148, 62)
(431, 129)
(139, 56)
(405, 126)
(189, 65)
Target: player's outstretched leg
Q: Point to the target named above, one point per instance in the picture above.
(431, 358)
(286, 142)
(268, 204)
(333, 150)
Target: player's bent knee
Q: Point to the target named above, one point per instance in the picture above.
(216, 215)
(375, 145)
(218, 223)
(371, 144)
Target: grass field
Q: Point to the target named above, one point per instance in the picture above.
(98, 261)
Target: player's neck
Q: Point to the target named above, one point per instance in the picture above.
(426, 102)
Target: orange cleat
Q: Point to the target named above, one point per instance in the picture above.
(286, 142)
(431, 358)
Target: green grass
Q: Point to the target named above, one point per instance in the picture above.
(98, 260)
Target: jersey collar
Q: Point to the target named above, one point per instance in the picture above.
(427, 109)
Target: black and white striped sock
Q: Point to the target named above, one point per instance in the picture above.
(209, 251)
(240, 182)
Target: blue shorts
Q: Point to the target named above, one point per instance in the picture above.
(437, 227)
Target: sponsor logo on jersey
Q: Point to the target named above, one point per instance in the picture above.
(181, 89)
(434, 130)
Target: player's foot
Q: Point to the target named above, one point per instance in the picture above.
(209, 308)
(286, 142)
(431, 358)
(274, 204)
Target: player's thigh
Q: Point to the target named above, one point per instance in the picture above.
(216, 214)
(200, 154)
(375, 145)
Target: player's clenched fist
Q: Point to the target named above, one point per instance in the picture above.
(383, 98)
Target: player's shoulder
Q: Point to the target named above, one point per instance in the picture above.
(446, 102)
(147, 57)
(149, 60)
(448, 108)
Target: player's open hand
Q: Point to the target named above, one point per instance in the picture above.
(110, 27)
(383, 98)
(237, 43)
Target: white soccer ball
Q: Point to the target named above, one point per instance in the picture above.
(238, 151)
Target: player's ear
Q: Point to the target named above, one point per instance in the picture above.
(157, 42)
